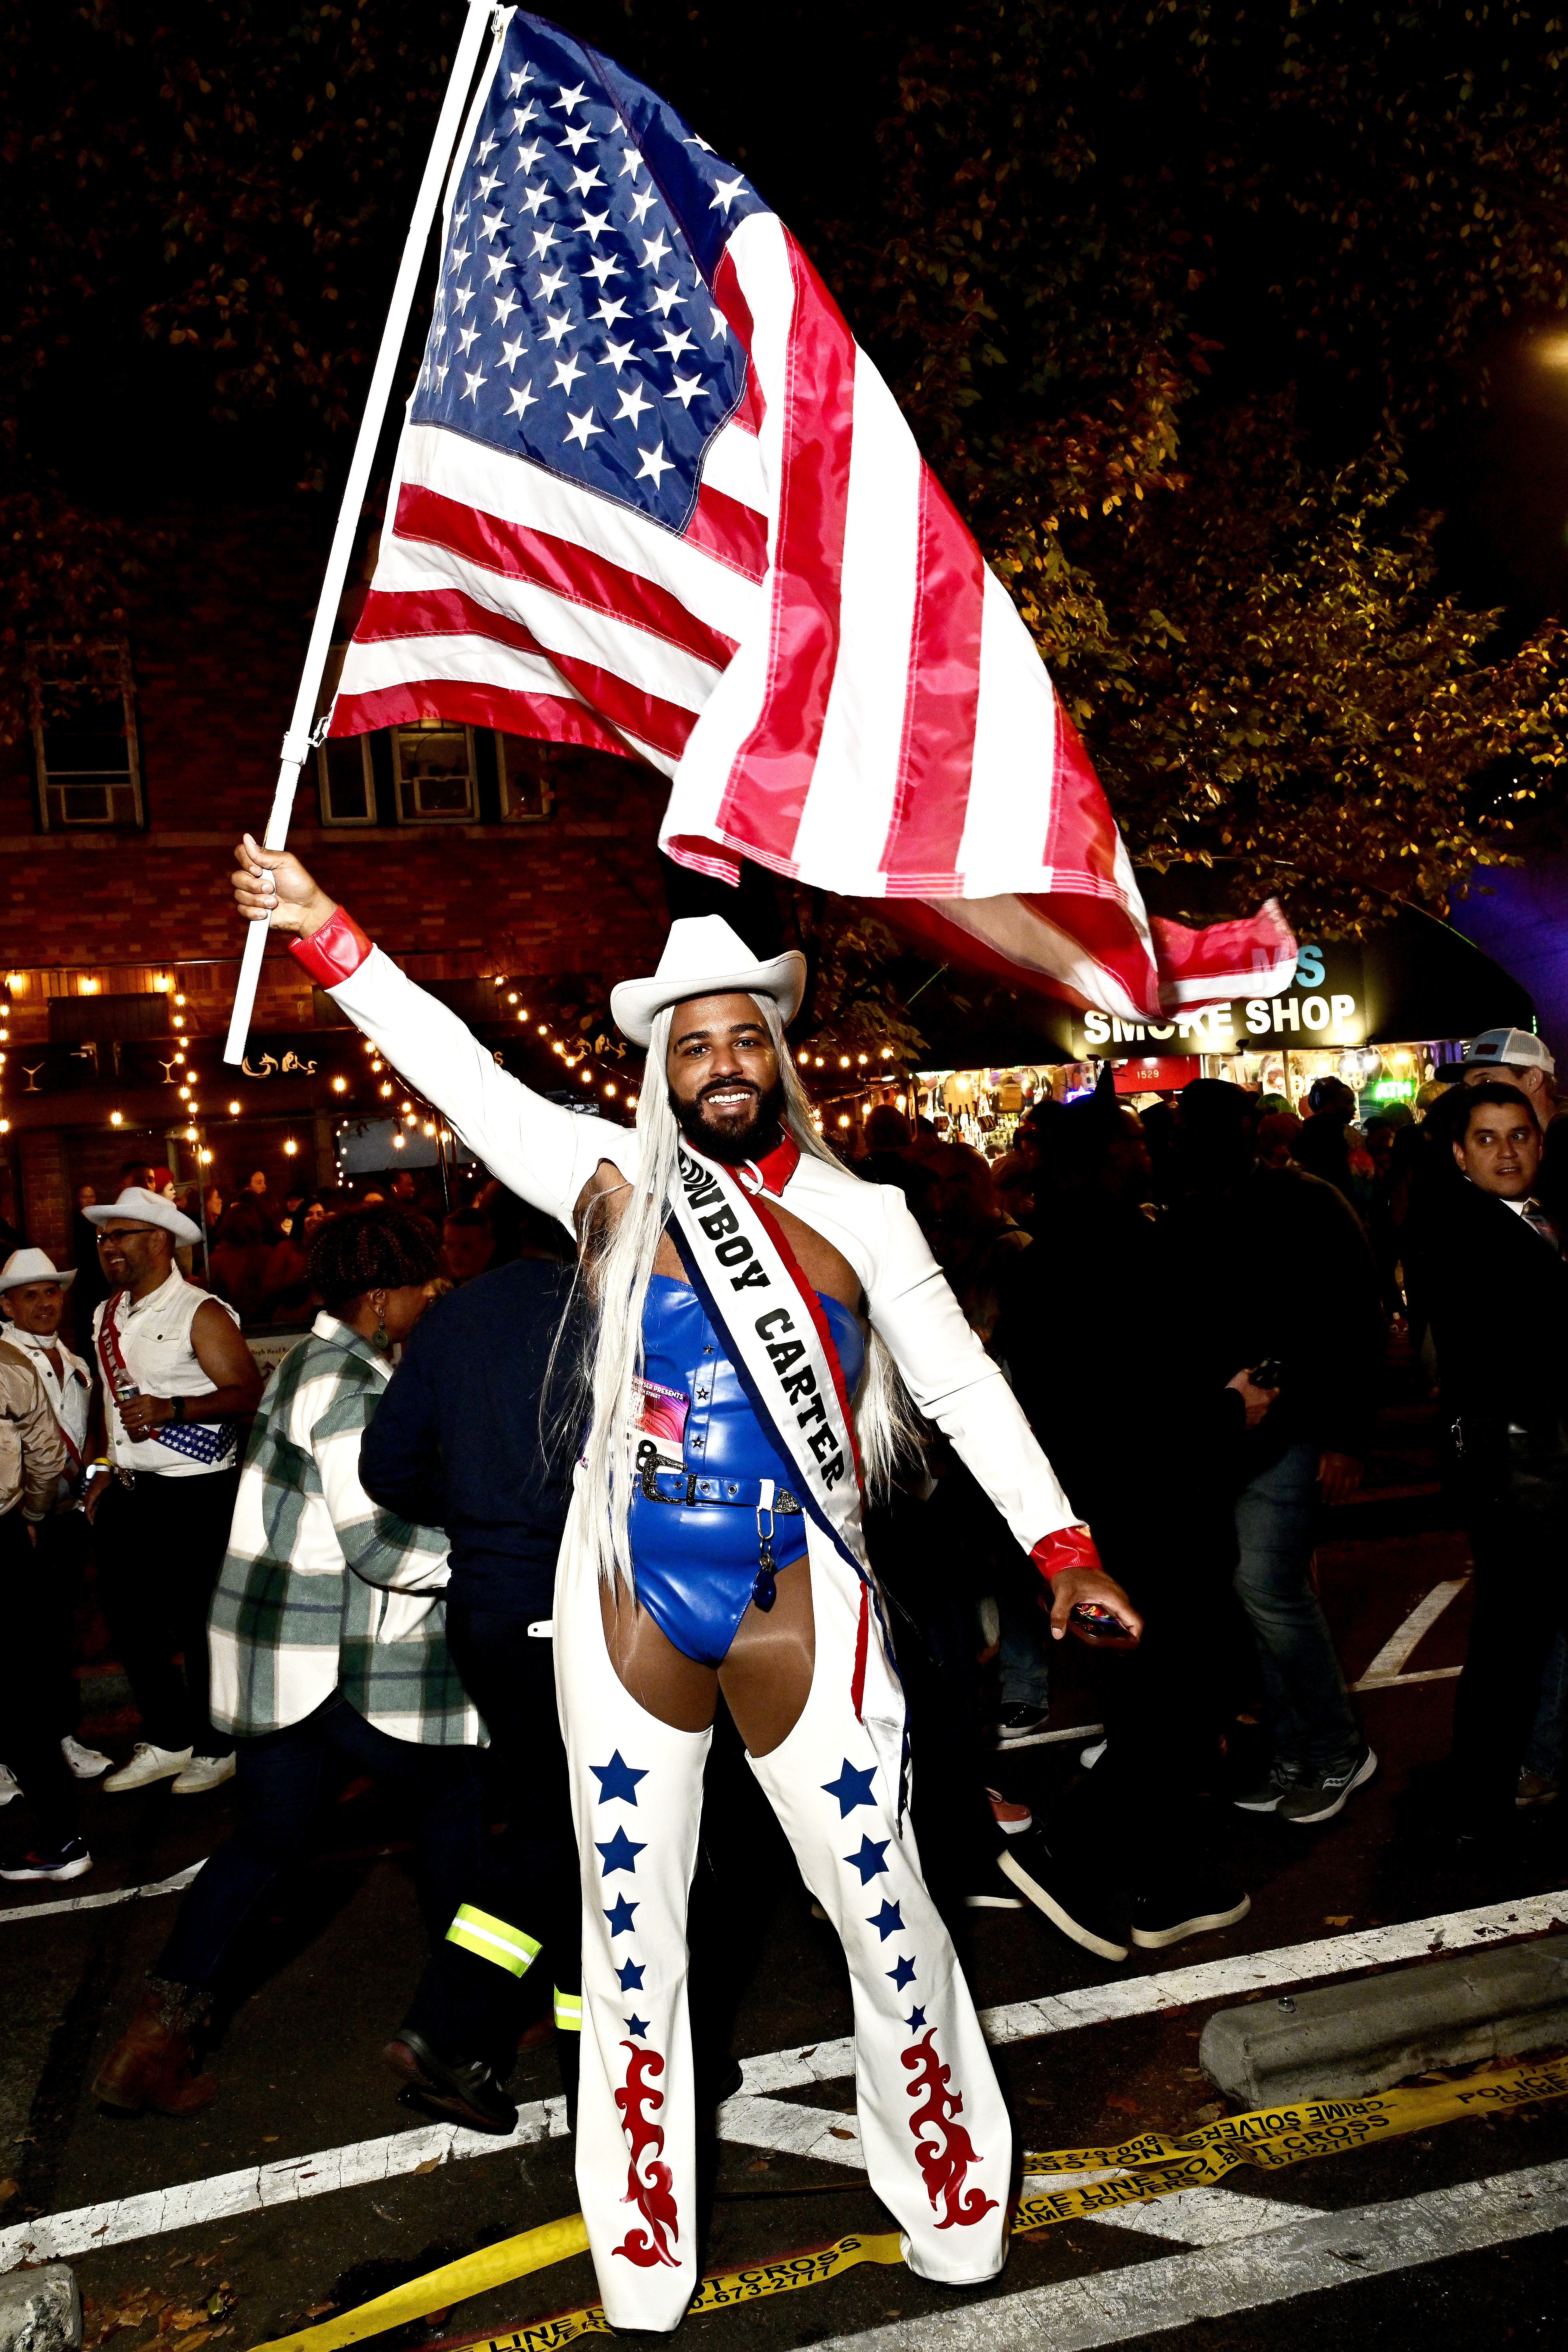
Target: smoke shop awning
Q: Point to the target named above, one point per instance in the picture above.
(1414, 978)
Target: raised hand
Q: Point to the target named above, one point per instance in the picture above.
(271, 884)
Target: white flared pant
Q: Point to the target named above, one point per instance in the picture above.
(935, 2133)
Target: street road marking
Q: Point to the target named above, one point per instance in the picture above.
(58, 2236)
(1206, 2217)
(1400, 1646)
(181, 1878)
(1305, 2257)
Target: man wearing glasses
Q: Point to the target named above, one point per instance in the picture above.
(177, 1378)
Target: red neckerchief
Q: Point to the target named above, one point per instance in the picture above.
(773, 1172)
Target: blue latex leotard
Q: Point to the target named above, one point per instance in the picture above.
(695, 1565)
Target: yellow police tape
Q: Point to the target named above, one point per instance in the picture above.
(1152, 2166)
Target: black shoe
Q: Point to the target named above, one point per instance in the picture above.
(1015, 1723)
(1054, 1885)
(467, 2090)
(1159, 1919)
(71, 1860)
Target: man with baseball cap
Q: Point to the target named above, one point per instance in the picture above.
(1519, 1058)
(32, 1302)
(755, 1307)
(177, 1379)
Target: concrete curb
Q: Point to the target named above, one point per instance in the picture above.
(1350, 2039)
(40, 2310)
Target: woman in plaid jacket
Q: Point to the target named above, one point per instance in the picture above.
(328, 1652)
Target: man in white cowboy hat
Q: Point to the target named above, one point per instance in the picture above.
(32, 1302)
(755, 1306)
(177, 1379)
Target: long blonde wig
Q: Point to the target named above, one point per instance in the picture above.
(616, 1263)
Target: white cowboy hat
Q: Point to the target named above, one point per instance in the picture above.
(703, 956)
(148, 1209)
(33, 1265)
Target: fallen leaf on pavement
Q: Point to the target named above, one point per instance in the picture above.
(431, 2164)
(1338, 1919)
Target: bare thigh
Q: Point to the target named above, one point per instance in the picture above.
(765, 1679)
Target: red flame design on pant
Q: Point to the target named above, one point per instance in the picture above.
(648, 2189)
(945, 2159)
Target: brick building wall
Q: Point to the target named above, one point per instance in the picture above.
(217, 625)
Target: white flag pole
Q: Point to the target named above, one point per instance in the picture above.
(297, 741)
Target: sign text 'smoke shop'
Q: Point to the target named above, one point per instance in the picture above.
(1323, 1006)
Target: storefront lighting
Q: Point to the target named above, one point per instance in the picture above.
(87, 988)
(340, 1085)
(898, 1102)
(163, 982)
(179, 1000)
(206, 1157)
(114, 1118)
(233, 1110)
(291, 1147)
(17, 983)
(5, 1127)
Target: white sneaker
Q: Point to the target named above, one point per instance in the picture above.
(148, 1763)
(9, 1785)
(202, 1772)
(86, 1763)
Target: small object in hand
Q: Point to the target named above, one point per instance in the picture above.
(1092, 1621)
(1267, 1374)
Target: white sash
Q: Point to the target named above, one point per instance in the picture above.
(777, 1336)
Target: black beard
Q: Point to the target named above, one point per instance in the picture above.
(730, 1144)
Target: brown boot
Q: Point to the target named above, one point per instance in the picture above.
(151, 2064)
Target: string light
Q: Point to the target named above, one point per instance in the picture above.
(291, 1147)
(115, 1119)
(340, 1085)
(233, 1110)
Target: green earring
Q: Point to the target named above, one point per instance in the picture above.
(378, 1338)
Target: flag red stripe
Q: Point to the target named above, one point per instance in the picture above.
(773, 769)
(1095, 928)
(727, 528)
(545, 717)
(1081, 832)
(567, 570)
(936, 759)
(390, 613)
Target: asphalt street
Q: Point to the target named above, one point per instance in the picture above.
(306, 2187)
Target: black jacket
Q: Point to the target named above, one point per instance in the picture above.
(1498, 1293)
(456, 1441)
(1279, 1266)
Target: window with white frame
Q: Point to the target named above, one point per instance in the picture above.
(344, 780)
(84, 710)
(433, 773)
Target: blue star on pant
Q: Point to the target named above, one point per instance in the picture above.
(915, 2019)
(851, 1788)
(620, 1918)
(619, 1853)
(868, 1860)
(618, 1779)
(887, 1921)
(638, 2026)
(902, 1975)
(630, 1975)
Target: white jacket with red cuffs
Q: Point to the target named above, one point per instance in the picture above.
(546, 1154)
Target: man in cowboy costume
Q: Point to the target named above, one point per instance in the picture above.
(754, 1307)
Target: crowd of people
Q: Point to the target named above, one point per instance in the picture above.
(356, 1572)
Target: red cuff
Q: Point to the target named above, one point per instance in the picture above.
(335, 952)
(1068, 1547)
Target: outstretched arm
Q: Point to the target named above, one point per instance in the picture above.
(542, 1152)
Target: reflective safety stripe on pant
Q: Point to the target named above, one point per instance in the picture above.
(490, 1939)
(568, 2011)
(937, 2142)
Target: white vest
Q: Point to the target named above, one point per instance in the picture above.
(155, 1340)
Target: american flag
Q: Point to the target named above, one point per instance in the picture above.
(651, 497)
